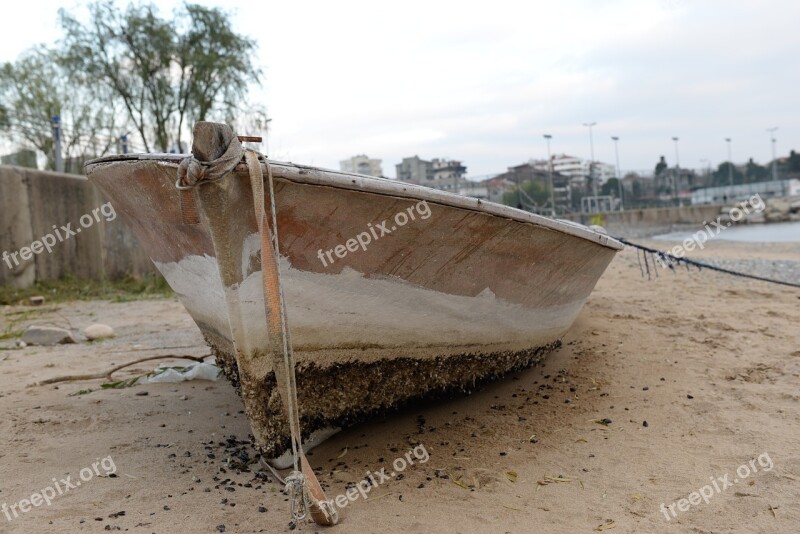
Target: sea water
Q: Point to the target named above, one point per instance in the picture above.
(788, 232)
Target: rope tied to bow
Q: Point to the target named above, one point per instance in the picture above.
(305, 492)
(193, 171)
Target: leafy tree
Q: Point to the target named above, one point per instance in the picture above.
(722, 176)
(636, 189)
(165, 72)
(793, 164)
(611, 187)
(533, 191)
(34, 89)
(755, 172)
(661, 166)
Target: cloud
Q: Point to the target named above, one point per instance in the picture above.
(482, 82)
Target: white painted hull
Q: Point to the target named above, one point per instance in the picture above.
(443, 303)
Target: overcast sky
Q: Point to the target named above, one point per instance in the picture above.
(483, 81)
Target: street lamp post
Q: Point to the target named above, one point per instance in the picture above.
(676, 177)
(57, 156)
(619, 174)
(730, 162)
(774, 158)
(707, 166)
(677, 160)
(550, 174)
(591, 162)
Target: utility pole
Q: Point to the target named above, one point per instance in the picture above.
(774, 158)
(58, 160)
(619, 179)
(730, 162)
(591, 162)
(550, 174)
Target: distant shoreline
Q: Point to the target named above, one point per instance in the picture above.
(778, 232)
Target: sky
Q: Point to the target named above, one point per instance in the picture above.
(482, 82)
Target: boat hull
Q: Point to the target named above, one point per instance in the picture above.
(382, 308)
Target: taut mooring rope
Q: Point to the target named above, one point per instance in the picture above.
(669, 260)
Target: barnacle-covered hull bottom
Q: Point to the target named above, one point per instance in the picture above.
(341, 395)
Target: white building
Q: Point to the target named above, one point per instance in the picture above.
(362, 164)
(578, 168)
(439, 173)
(415, 170)
(474, 189)
(444, 169)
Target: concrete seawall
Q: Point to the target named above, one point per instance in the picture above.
(33, 202)
(650, 221)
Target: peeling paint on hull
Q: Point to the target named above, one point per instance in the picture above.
(440, 305)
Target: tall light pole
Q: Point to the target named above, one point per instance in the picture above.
(707, 166)
(677, 176)
(57, 157)
(550, 174)
(619, 178)
(677, 159)
(591, 162)
(730, 162)
(774, 158)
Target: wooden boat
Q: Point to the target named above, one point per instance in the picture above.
(393, 292)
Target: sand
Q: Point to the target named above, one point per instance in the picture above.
(710, 362)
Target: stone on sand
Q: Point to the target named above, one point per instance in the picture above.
(47, 335)
(98, 331)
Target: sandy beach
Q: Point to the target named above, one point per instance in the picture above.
(665, 392)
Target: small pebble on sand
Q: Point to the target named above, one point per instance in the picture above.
(98, 331)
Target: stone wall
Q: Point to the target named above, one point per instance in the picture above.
(650, 221)
(33, 202)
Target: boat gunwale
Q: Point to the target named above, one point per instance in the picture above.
(358, 182)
